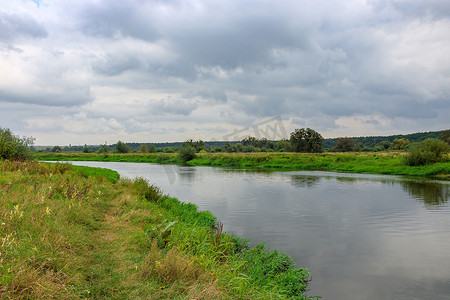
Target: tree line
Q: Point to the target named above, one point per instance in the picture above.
(253, 144)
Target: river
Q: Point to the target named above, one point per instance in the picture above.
(361, 236)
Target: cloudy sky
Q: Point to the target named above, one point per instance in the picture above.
(90, 71)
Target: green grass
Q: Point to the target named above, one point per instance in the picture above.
(69, 232)
(388, 163)
(167, 158)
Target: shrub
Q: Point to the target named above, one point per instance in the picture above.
(344, 144)
(121, 147)
(186, 152)
(428, 151)
(14, 147)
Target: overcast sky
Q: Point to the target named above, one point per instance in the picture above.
(89, 72)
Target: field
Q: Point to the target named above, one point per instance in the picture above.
(84, 233)
(388, 163)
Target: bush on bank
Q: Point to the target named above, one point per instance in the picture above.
(427, 152)
(14, 147)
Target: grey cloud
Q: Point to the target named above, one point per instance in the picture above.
(115, 19)
(173, 106)
(69, 96)
(417, 8)
(214, 93)
(116, 65)
(13, 26)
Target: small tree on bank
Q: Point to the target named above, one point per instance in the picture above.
(306, 140)
(186, 152)
(121, 147)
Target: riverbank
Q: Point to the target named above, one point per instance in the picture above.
(81, 232)
(386, 163)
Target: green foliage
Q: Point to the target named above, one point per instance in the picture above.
(147, 191)
(344, 144)
(103, 149)
(87, 149)
(283, 146)
(306, 140)
(445, 136)
(258, 143)
(186, 152)
(266, 266)
(372, 141)
(57, 149)
(426, 152)
(14, 147)
(197, 145)
(121, 147)
(143, 148)
(169, 150)
(400, 144)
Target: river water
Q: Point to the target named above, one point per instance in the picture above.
(361, 236)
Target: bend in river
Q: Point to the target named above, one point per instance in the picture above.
(361, 236)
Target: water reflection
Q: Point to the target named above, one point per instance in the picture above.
(346, 179)
(302, 181)
(187, 174)
(432, 194)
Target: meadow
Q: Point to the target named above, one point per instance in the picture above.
(387, 163)
(81, 232)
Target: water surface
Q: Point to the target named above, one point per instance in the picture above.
(361, 236)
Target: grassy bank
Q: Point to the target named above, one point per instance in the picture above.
(82, 233)
(388, 163)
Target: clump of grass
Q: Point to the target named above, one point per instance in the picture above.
(170, 267)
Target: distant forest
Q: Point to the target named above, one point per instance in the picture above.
(367, 142)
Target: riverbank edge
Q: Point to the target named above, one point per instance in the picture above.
(384, 163)
(158, 232)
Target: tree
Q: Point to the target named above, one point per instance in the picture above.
(143, 148)
(384, 145)
(445, 136)
(283, 146)
(87, 149)
(399, 144)
(121, 147)
(344, 144)
(249, 141)
(306, 140)
(198, 145)
(57, 149)
(14, 147)
(186, 152)
(103, 149)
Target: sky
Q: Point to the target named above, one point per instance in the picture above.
(95, 71)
